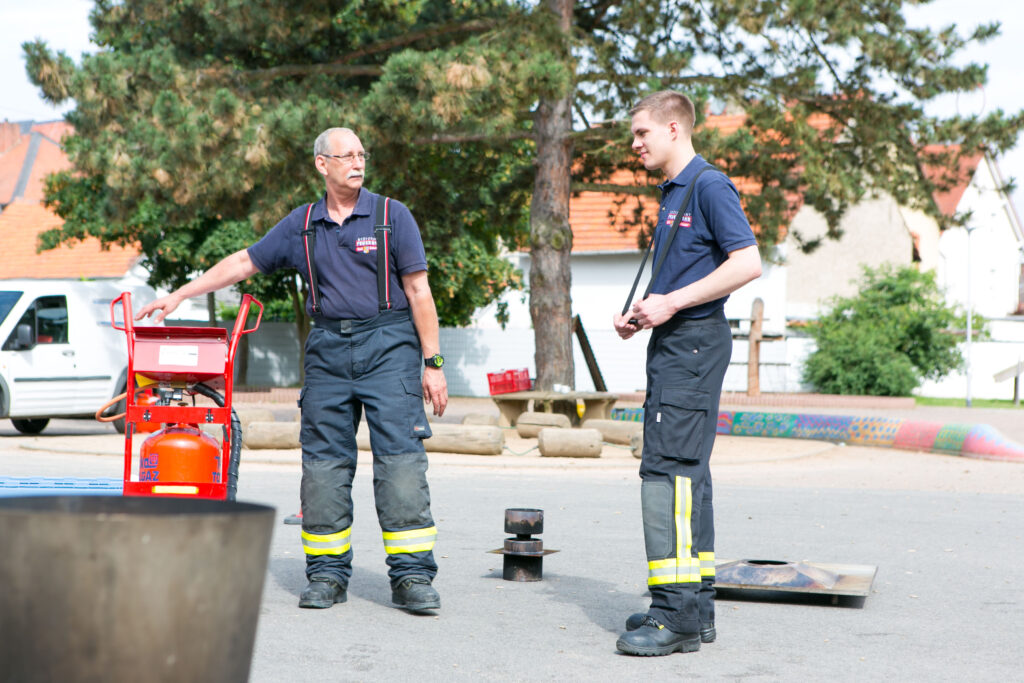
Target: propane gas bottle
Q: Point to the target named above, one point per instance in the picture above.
(180, 453)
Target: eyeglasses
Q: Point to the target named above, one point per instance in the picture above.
(348, 158)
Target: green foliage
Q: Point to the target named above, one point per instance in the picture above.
(192, 140)
(884, 341)
(195, 118)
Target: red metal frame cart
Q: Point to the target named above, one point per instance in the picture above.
(178, 361)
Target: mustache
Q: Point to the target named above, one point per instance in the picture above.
(355, 174)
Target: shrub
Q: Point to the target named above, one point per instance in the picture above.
(884, 341)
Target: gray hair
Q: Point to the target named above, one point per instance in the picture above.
(321, 146)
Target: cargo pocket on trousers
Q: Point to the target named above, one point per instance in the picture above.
(418, 425)
(679, 422)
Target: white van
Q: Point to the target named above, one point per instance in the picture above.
(59, 354)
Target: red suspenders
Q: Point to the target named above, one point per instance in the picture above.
(382, 233)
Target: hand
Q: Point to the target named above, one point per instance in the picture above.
(622, 325)
(653, 311)
(165, 305)
(435, 389)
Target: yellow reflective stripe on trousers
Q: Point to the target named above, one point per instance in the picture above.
(660, 572)
(682, 568)
(327, 544)
(707, 564)
(411, 541)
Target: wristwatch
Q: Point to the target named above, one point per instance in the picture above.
(435, 361)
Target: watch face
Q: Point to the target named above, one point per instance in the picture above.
(435, 361)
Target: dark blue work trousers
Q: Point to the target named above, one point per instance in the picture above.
(376, 365)
(686, 365)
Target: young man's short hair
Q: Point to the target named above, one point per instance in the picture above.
(668, 105)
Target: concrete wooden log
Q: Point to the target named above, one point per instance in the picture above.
(470, 439)
(615, 431)
(569, 443)
(636, 443)
(480, 419)
(271, 435)
(529, 425)
(247, 416)
(449, 438)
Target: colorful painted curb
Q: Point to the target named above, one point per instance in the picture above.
(970, 440)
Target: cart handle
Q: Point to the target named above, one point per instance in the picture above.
(239, 330)
(128, 328)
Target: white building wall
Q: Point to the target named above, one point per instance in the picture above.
(995, 249)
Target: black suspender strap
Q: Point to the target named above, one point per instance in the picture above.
(668, 243)
(309, 242)
(382, 232)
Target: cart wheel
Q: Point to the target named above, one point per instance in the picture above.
(30, 426)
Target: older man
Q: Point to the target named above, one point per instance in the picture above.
(375, 327)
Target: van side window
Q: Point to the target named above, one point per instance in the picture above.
(47, 317)
(51, 320)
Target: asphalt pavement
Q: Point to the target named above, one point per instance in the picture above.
(944, 533)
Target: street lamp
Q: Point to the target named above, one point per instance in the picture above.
(970, 313)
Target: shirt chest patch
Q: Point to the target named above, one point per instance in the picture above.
(364, 245)
(685, 222)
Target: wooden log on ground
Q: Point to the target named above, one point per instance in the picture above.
(480, 419)
(449, 438)
(271, 435)
(529, 425)
(249, 415)
(469, 439)
(636, 443)
(615, 431)
(569, 443)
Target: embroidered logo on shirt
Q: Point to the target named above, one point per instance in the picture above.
(365, 245)
(685, 222)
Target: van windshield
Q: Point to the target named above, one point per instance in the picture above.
(7, 300)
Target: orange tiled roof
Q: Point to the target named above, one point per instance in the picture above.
(598, 223)
(949, 200)
(34, 150)
(20, 224)
(40, 147)
(599, 219)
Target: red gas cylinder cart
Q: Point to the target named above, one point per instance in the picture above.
(181, 460)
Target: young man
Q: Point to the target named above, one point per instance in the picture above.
(370, 340)
(712, 254)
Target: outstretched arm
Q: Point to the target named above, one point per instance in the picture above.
(226, 272)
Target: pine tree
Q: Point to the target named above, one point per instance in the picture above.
(195, 117)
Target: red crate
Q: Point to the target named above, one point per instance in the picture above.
(507, 381)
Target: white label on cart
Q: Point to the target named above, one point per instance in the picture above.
(179, 354)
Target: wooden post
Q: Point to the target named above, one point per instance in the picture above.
(588, 354)
(754, 349)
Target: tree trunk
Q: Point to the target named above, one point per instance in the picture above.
(550, 235)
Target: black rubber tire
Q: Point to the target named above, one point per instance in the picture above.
(30, 426)
(119, 407)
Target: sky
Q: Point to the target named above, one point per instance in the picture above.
(64, 24)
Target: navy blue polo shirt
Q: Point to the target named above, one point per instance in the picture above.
(712, 226)
(346, 255)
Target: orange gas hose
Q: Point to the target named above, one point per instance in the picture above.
(110, 418)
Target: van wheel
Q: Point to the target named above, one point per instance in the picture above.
(119, 408)
(31, 426)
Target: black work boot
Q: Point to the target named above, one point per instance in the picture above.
(322, 592)
(415, 594)
(651, 638)
(707, 629)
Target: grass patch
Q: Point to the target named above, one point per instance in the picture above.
(962, 403)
